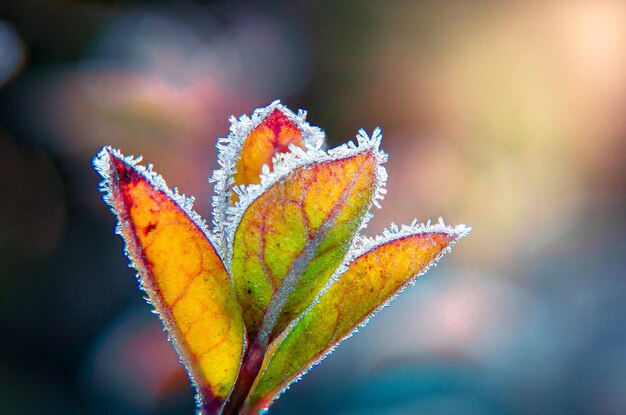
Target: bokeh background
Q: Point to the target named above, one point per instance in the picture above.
(508, 116)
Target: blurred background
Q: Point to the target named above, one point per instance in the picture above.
(507, 116)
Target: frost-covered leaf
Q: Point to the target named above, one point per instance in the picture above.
(381, 269)
(180, 271)
(294, 230)
(273, 135)
(296, 279)
(252, 143)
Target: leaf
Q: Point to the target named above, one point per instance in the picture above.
(292, 236)
(180, 271)
(252, 143)
(370, 282)
(273, 135)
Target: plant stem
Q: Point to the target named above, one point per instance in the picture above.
(252, 361)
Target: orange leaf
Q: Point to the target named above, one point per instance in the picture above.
(253, 143)
(273, 135)
(181, 272)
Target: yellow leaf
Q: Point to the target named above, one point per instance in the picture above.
(181, 272)
(371, 280)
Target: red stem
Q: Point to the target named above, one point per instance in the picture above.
(252, 361)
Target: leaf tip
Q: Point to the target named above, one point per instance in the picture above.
(111, 164)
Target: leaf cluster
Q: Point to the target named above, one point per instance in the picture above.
(283, 275)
